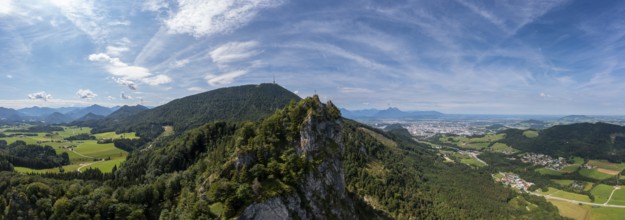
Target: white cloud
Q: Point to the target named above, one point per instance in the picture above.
(119, 23)
(110, 98)
(203, 18)
(181, 63)
(225, 78)
(119, 68)
(155, 5)
(124, 96)
(544, 95)
(234, 51)
(196, 89)
(86, 94)
(129, 74)
(9, 76)
(40, 95)
(125, 82)
(6, 7)
(157, 80)
(116, 50)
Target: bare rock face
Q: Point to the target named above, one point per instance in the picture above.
(268, 210)
(322, 193)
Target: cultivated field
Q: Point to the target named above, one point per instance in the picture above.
(530, 134)
(475, 143)
(85, 153)
(601, 193)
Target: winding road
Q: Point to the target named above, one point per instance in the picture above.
(581, 202)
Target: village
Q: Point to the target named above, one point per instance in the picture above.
(544, 160)
(513, 180)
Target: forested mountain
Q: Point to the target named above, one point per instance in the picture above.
(90, 117)
(248, 102)
(44, 111)
(302, 162)
(95, 109)
(126, 111)
(112, 121)
(7, 114)
(37, 111)
(587, 140)
(57, 118)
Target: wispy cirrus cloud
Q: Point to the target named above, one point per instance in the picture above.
(233, 52)
(225, 78)
(128, 74)
(86, 16)
(202, 18)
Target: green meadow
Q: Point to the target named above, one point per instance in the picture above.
(85, 153)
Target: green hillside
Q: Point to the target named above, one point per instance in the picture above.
(587, 140)
(248, 102)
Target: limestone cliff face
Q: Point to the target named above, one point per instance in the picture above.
(322, 193)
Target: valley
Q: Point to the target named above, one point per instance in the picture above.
(97, 153)
(581, 188)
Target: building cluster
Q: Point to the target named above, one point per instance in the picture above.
(67, 147)
(544, 160)
(431, 128)
(514, 181)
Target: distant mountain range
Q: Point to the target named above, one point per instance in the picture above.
(56, 115)
(389, 113)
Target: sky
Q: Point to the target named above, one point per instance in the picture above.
(552, 57)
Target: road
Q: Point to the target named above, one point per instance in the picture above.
(82, 165)
(578, 202)
(82, 155)
(609, 198)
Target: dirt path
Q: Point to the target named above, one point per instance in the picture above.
(82, 165)
(609, 198)
(82, 155)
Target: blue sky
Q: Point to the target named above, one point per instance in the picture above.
(501, 57)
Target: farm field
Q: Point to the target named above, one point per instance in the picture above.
(103, 156)
(564, 194)
(618, 198)
(547, 171)
(606, 167)
(606, 213)
(475, 143)
(594, 174)
(563, 182)
(601, 193)
(571, 210)
(583, 212)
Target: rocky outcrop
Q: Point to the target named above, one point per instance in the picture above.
(322, 193)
